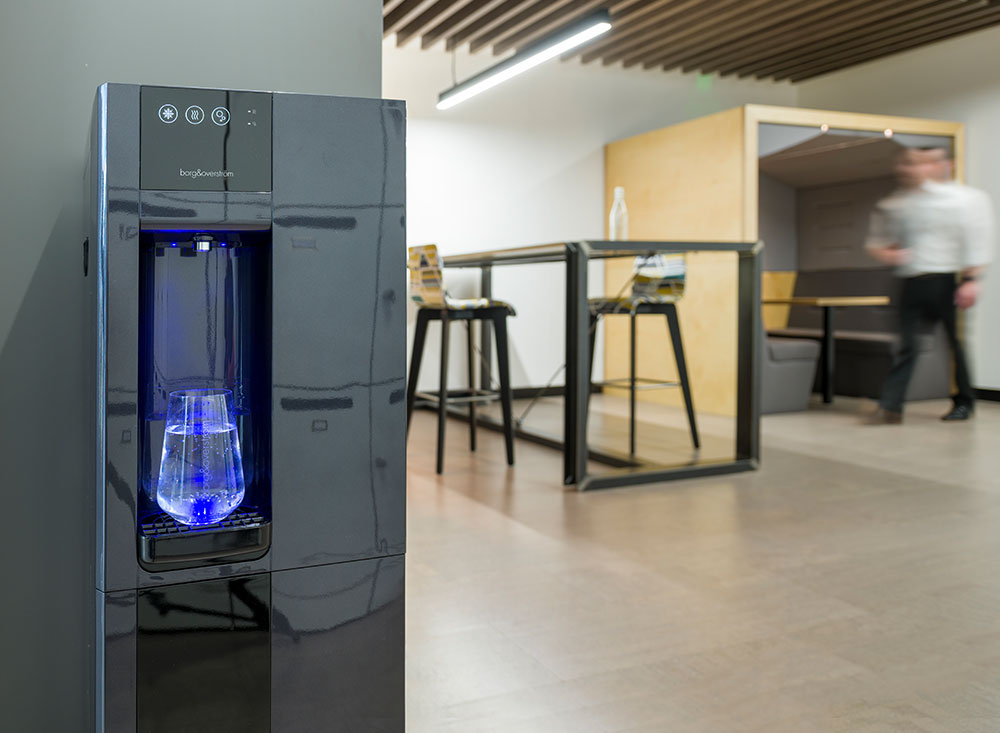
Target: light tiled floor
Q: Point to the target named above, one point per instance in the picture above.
(851, 584)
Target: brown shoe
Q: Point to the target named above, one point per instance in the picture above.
(884, 417)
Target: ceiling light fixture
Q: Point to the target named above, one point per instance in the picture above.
(571, 36)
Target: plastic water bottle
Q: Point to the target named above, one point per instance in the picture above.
(618, 220)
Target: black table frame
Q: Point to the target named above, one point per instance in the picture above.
(576, 452)
(829, 354)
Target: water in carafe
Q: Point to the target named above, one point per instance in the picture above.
(201, 472)
(618, 218)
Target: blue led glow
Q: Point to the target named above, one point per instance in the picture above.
(173, 244)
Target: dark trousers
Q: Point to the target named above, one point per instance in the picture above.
(925, 299)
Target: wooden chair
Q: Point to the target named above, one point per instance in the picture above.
(427, 290)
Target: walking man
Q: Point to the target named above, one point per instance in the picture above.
(938, 234)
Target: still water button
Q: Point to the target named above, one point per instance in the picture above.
(220, 116)
(194, 114)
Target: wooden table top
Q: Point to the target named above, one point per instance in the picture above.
(834, 301)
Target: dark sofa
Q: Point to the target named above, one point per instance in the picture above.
(866, 338)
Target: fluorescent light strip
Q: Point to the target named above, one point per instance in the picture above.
(456, 95)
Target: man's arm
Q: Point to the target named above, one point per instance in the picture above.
(891, 254)
(881, 243)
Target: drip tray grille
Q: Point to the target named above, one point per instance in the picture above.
(166, 544)
(163, 524)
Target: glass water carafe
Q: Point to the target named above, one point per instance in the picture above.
(201, 472)
(618, 218)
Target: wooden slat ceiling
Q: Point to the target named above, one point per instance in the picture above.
(766, 39)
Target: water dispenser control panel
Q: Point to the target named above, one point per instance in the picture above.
(204, 140)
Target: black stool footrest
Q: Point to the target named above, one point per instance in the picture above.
(640, 383)
(459, 397)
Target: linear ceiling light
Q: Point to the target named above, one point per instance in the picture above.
(573, 35)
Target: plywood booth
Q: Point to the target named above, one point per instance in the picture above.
(803, 181)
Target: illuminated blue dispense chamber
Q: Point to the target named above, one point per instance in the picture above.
(245, 269)
(205, 370)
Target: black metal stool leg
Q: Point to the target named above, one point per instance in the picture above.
(443, 391)
(675, 338)
(631, 383)
(593, 342)
(503, 360)
(472, 388)
(415, 357)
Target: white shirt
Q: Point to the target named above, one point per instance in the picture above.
(946, 227)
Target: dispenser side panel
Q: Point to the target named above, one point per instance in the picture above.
(120, 249)
(116, 662)
(337, 648)
(338, 453)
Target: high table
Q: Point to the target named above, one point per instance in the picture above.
(828, 303)
(629, 470)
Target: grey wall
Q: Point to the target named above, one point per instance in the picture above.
(833, 224)
(776, 223)
(53, 55)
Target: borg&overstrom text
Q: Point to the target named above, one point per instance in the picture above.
(205, 174)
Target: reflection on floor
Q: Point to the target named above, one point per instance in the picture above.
(851, 584)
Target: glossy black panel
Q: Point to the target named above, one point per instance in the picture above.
(388, 467)
(360, 142)
(339, 297)
(203, 658)
(219, 209)
(337, 654)
(205, 140)
(116, 662)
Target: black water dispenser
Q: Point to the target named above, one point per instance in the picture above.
(245, 268)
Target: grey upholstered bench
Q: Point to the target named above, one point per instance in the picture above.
(789, 368)
(866, 338)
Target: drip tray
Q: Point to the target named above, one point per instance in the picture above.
(166, 544)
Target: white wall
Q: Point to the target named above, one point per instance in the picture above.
(524, 164)
(952, 80)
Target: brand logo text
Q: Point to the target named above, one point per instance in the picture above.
(199, 173)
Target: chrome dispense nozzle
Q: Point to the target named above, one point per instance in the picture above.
(202, 242)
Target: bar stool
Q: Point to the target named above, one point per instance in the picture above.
(427, 290)
(657, 285)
